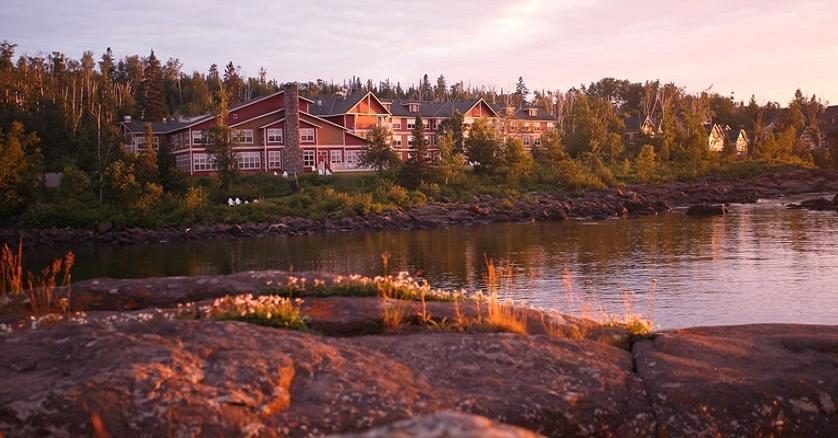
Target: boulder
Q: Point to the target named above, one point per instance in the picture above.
(818, 204)
(758, 380)
(211, 378)
(703, 210)
(444, 425)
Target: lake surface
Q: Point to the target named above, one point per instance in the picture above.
(761, 263)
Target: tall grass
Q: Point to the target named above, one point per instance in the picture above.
(40, 288)
(11, 270)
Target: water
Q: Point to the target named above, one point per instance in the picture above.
(761, 263)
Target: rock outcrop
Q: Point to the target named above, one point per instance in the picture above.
(156, 376)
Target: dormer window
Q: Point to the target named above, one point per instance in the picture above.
(413, 107)
(533, 112)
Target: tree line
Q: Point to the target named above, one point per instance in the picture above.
(61, 114)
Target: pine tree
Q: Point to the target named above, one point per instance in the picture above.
(416, 170)
(454, 125)
(221, 145)
(425, 89)
(379, 155)
(521, 90)
(146, 165)
(441, 90)
(154, 98)
(483, 147)
(233, 84)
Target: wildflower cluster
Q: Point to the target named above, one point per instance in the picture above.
(268, 310)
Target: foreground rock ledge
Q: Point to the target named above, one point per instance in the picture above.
(201, 377)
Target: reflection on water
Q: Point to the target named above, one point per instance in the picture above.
(762, 263)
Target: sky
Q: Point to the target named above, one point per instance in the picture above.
(767, 48)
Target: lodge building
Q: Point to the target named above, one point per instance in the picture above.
(332, 130)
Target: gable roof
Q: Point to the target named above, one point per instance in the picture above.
(401, 108)
(338, 105)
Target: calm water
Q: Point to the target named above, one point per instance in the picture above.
(762, 263)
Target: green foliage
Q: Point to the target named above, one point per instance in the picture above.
(483, 147)
(516, 161)
(646, 163)
(451, 163)
(221, 145)
(20, 167)
(417, 169)
(379, 155)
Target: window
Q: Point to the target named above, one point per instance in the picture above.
(411, 124)
(411, 142)
(274, 159)
(397, 125)
(353, 158)
(527, 141)
(335, 157)
(397, 141)
(275, 135)
(533, 112)
(308, 158)
(175, 139)
(139, 142)
(242, 136)
(306, 135)
(200, 137)
(414, 107)
(249, 160)
(203, 162)
(537, 141)
(182, 162)
(235, 116)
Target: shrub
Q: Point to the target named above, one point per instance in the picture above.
(195, 198)
(267, 310)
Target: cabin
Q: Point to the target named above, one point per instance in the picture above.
(260, 137)
(738, 140)
(638, 125)
(716, 137)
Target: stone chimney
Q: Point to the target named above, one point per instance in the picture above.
(292, 156)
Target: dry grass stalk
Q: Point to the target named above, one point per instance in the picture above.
(394, 314)
(41, 288)
(11, 270)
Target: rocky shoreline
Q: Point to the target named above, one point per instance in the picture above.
(128, 367)
(630, 201)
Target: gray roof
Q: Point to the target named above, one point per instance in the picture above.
(523, 112)
(430, 109)
(160, 127)
(331, 105)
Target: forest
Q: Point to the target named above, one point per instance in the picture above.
(60, 114)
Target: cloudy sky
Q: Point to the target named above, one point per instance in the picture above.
(764, 47)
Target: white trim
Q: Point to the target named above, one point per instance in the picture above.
(258, 117)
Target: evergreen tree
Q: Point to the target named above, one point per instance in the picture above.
(379, 155)
(454, 126)
(516, 161)
(483, 147)
(451, 164)
(425, 89)
(416, 170)
(521, 91)
(232, 84)
(646, 163)
(154, 99)
(221, 145)
(441, 90)
(146, 166)
(550, 151)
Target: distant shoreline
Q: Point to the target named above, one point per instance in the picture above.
(629, 201)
